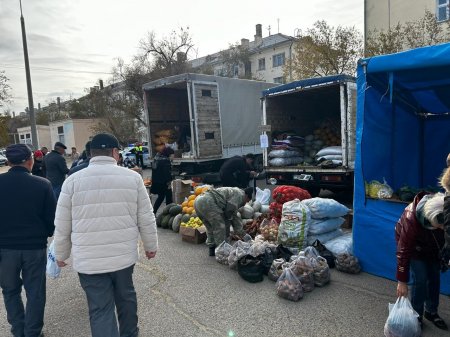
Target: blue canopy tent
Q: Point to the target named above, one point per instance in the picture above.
(403, 136)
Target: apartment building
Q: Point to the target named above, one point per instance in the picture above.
(268, 55)
(383, 14)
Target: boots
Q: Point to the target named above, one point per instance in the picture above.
(212, 250)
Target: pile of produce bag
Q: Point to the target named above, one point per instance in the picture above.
(282, 194)
(347, 263)
(326, 219)
(331, 153)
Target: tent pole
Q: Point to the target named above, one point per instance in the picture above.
(421, 149)
(393, 119)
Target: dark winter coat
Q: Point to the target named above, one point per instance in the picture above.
(414, 241)
(38, 168)
(235, 172)
(161, 174)
(56, 168)
(28, 206)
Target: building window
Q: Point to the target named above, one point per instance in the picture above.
(278, 60)
(443, 10)
(206, 93)
(278, 80)
(262, 64)
(27, 135)
(22, 136)
(60, 130)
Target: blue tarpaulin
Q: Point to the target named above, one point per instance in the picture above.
(403, 136)
(310, 82)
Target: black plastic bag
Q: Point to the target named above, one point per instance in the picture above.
(250, 268)
(283, 253)
(325, 253)
(266, 260)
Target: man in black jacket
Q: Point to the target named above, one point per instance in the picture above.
(28, 212)
(56, 167)
(237, 171)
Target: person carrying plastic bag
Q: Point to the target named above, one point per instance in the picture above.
(402, 320)
(52, 268)
(420, 239)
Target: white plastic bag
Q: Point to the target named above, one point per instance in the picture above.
(52, 270)
(222, 252)
(293, 229)
(263, 196)
(402, 320)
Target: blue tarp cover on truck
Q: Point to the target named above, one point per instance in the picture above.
(403, 136)
(298, 85)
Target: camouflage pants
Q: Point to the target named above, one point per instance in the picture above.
(217, 228)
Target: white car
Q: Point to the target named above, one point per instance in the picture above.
(126, 153)
(3, 160)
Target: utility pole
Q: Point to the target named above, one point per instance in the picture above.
(34, 139)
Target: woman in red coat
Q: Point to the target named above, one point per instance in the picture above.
(420, 239)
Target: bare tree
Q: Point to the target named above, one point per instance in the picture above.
(324, 50)
(234, 58)
(5, 94)
(169, 53)
(425, 31)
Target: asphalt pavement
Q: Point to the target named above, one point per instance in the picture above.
(184, 292)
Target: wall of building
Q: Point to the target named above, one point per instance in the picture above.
(83, 131)
(270, 73)
(380, 13)
(43, 135)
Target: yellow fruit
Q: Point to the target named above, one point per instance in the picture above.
(186, 210)
(204, 189)
(198, 190)
(184, 204)
(191, 203)
(190, 210)
(191, 197)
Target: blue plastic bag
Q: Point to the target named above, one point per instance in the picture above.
(321, 226)
(325, 208)
(53, 270)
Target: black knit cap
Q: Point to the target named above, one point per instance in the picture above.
(18, 153)
(104, 141)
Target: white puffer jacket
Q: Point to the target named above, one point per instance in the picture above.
(101, 211)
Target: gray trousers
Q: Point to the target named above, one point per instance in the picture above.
(107, 293)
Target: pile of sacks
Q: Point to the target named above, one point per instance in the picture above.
(331, 154)
(326, 219)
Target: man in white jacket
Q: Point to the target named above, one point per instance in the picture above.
(101, 212)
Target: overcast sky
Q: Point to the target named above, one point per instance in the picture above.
(72, 44)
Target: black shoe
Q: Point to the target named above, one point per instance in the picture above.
(436, 320)
(212, 250)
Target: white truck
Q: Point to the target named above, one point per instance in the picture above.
(221, 115)
(302, 108)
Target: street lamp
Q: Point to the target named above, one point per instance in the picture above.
(34, 139)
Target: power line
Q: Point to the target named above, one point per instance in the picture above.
(56, 70)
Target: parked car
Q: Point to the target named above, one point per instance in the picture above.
(126, 152)
(3, 160)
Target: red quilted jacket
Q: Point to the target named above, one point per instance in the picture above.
(414, 241)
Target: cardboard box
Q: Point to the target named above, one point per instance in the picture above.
(180, 189)
(348, 220)
(193, 235)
